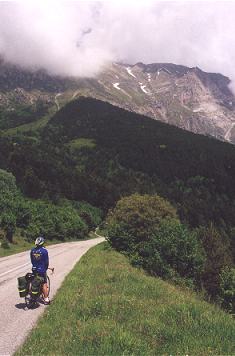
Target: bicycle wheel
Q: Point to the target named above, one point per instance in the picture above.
(29, 302)
(49, 285)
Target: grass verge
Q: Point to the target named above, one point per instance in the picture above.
(19, 245)
(107, 307)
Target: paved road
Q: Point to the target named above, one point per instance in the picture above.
(15, 320)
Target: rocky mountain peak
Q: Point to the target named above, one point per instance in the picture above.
(186, 97)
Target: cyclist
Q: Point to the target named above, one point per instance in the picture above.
(40, 262)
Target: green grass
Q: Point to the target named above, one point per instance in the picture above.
(107, 307)
(32, 126)
(19, 245)
(82, 142)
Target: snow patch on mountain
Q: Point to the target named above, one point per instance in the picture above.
(130, 72)
(143, 88)
(116, 86)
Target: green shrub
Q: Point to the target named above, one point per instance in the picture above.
(218, 256)
(54, 222)
(7, 184)
(232, 242)
(147, 229)
(88, 213)
(40, 217)
(172, 251)
(135, 218)
(10, 199)
(227, 289)
(5, 244)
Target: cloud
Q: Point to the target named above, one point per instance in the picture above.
(51, 35)
(79, 38)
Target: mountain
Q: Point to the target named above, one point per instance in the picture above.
(185, 97)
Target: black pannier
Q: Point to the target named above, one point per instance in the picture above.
(23, 286)
(36, 286)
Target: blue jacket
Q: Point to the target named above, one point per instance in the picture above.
(39, 259)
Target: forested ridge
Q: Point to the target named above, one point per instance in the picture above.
(93, 152)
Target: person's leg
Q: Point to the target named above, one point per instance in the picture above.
(45, 290)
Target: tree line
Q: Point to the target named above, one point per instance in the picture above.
(63, 221)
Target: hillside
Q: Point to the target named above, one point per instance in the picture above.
(140, 142)
(185, 97)
(107, 307)
(93, 151)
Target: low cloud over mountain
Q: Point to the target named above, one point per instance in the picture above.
(79, 38)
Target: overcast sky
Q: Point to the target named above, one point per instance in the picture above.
(79, 38)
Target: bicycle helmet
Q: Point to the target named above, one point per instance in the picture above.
(39, 241)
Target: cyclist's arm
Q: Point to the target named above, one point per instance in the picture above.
(31, 258)
(47, 259)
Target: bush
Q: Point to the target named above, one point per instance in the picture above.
(227, 289)
(10, 199)
(218, 256)
(232, 242)
(173, 251)
(88, 213)
(147, 229)
(7, 184)
(5, 244)
(40, 217)
(135, 218)
(54, 222)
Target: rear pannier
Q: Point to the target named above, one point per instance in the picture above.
(36, 286)
(23, 286)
